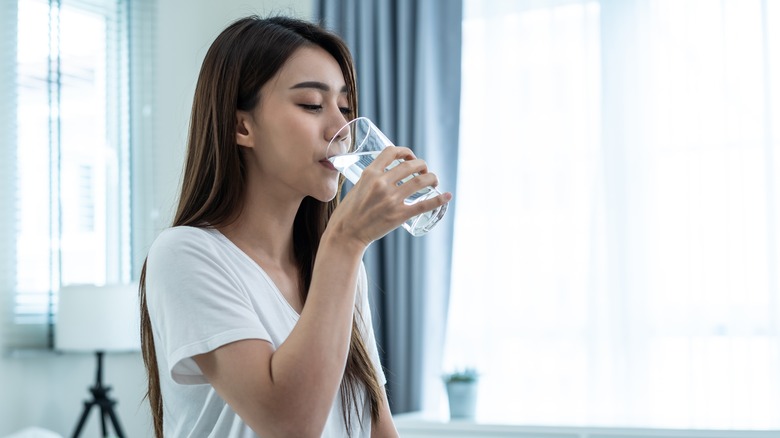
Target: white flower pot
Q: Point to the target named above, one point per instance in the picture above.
(463, 399)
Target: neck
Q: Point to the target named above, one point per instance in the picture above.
(265, 226)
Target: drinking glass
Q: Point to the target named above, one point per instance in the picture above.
(356, 145)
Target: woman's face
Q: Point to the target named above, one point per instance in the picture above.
(299, 111)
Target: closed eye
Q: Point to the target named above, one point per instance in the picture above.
(308, 107)
(345, 110)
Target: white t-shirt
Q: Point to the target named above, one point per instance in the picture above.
(204, 292)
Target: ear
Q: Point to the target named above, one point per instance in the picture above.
(244, 129)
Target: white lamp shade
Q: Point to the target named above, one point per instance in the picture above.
(98, 318)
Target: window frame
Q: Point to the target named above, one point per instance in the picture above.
(34, 330)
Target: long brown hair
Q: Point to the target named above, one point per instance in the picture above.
(242, 58)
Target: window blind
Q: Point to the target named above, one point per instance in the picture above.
(66, 193)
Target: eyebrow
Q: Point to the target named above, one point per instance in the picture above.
(317, 85)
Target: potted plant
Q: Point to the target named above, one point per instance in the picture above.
(462, 393)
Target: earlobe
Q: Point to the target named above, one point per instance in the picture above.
(244, 129)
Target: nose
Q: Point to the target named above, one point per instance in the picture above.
(335, 122)
(335, 135)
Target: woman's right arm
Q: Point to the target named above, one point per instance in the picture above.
(290, 391)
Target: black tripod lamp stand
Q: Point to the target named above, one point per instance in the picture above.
(102, 402)
(98, 319)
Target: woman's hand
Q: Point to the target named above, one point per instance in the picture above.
(375, 205)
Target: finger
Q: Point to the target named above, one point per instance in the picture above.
(392, 153)
(430, 204)
(406, 169)
(420, 182)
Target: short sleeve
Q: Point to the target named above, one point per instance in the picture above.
(367, 328)
(195, 303)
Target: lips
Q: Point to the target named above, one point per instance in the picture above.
(325, 162)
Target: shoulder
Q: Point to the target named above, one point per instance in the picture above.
(192, 259)
(182, 244)
(182, 238)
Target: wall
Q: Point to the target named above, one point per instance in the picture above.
(185, 30)
(47, 390)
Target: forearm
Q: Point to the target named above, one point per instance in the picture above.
(308, 367)
(385, 427)
(289, 391)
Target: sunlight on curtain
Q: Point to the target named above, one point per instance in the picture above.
(616, 243)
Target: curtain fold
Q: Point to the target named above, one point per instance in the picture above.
(407, 55)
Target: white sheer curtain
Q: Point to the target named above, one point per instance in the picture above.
(616, 238)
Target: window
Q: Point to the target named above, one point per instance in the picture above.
(625, 156)
(70, 179)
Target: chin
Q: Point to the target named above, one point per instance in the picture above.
(331, 191)
(325, 198)
(326, 195)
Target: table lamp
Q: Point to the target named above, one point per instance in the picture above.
(98, 319)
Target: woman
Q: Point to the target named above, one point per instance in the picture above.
(255, 319)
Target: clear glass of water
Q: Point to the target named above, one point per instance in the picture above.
(356, 145)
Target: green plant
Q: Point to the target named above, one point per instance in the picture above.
(463, 375)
